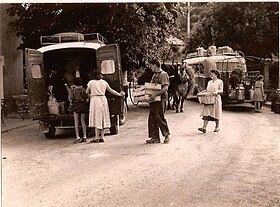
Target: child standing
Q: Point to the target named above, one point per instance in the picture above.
(258, 96)
(80, 108)
(99, 116)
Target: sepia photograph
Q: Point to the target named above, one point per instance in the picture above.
(140, 104)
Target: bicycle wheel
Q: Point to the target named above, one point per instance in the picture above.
(130, 91)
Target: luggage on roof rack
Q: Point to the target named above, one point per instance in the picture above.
(72, 37)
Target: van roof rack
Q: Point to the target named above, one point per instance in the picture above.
(72, 37)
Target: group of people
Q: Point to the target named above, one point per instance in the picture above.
(91, 100)
(210, 112)
(99, 117)
(157, 120)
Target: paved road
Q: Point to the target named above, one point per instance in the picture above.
(238, 166)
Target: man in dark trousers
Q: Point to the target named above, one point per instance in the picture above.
(156, 119)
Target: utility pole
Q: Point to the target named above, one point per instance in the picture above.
(189, 19)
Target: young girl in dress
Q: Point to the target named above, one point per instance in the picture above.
(80, 108)
(213, 112)
(99, 116)
(258, 96)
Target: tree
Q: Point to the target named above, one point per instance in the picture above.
(140, 29)
(250, 27)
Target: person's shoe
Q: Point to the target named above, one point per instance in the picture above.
(202, 130)
(166, 140)
(77, 140)
(94, 141)
(83, 140)
(101, 140)
(217, 129)
(152, 141)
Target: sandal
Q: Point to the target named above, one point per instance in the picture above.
(216, 129)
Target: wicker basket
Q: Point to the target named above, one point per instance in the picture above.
(206, 98)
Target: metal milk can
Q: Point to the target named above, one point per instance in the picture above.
(240, 92)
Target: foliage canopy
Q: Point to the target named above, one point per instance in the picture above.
(250, 27)
(141, 29)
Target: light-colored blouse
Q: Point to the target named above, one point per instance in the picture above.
(97, 87)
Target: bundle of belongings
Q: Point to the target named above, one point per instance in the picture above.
(53, 105)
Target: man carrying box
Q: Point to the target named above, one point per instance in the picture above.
(156, 119)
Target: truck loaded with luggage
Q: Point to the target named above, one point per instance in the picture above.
(238, 81)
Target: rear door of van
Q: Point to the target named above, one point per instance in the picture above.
(36, 83)
(109, 62)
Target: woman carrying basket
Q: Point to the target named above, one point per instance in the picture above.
(213, 112)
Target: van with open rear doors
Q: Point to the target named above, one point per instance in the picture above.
(72, 55)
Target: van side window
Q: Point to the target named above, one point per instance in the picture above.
(36, 71)
(107, 67)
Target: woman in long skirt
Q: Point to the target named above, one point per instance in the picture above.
(258, 96)
(99, 116)
(213, 112)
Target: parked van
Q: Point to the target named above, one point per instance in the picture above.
(72, 55)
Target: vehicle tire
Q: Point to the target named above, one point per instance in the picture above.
(51, 133)
(114, 129)
(124, 115)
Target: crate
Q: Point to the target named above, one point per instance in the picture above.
(139, 92)
(146, 98)
(206, 98)
(143, 93)
(153, 86)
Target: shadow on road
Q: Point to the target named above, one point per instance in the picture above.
(238, 108)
